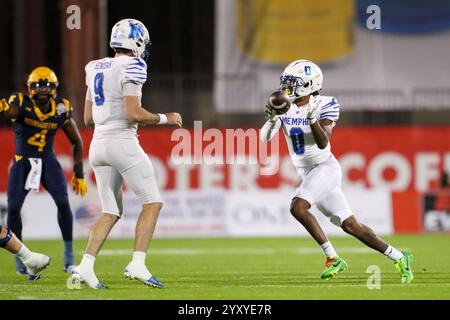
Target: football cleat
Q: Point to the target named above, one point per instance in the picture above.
(33, 278)
(403, 266)
(35, 264)
(141, 273)
(21, 272)
(69, 260)
(69, 268)
(333, 266)
(20, 267)
(100, 286)
(89, 277)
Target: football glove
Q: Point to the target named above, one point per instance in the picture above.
(4, 106)
(270, 114)
(79, 186)
(313, 106)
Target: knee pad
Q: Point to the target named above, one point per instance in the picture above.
(5, 240)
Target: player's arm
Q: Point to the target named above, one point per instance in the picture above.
(322, 128)
(72, 133)
(134, 75)
(78, 183)
(10, 110)
(269, 130)
(135, 113)
(88, 120)
(272, 125)
(322, 131)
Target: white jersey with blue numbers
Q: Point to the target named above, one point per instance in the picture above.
(297, 131)
(299, 137)
(106, 79)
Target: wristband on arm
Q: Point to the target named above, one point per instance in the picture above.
(162, 118)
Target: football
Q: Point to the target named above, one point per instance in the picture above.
(279, 102)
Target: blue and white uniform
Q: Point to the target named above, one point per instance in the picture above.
(108, 81)
(115, 153)
(320, 172)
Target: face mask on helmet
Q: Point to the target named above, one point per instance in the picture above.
(146, 53)
(142, 40)
(291, 85)
(42, 89)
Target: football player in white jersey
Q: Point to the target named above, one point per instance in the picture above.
(113, 105)
(307, 127)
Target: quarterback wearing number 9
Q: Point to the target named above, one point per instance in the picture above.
(113, 105)
(37, 117)
(307, 126)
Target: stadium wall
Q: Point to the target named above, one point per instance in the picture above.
(386, 171)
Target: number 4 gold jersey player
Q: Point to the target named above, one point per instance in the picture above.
(37, 117)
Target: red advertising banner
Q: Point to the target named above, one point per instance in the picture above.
(404, 160)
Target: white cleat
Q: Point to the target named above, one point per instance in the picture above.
(140, 272)
(69, 268)
(88, 276)
(35, 263)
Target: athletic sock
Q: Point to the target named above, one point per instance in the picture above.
(393, 253)
(24, 253)
(328, 249)
(87, 262)
(139, 265)
(139, 257)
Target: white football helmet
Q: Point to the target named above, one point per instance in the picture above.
(131, 34)
(301, 78)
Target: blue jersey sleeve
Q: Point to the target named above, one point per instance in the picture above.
(135, 71)
(330, 110)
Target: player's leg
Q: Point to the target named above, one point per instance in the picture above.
(109, 185)
(9, 241)
(333, 263)
(300, 210)
(99, 233)
(145, 225)
(142, 181)
(364, 234)
(317, 184)
(33, 261)
(367, 236)
(54, 182)
(336, 207)
(16, 197)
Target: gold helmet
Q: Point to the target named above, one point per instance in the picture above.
(42, 78)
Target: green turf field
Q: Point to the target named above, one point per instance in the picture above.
(262, 268)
